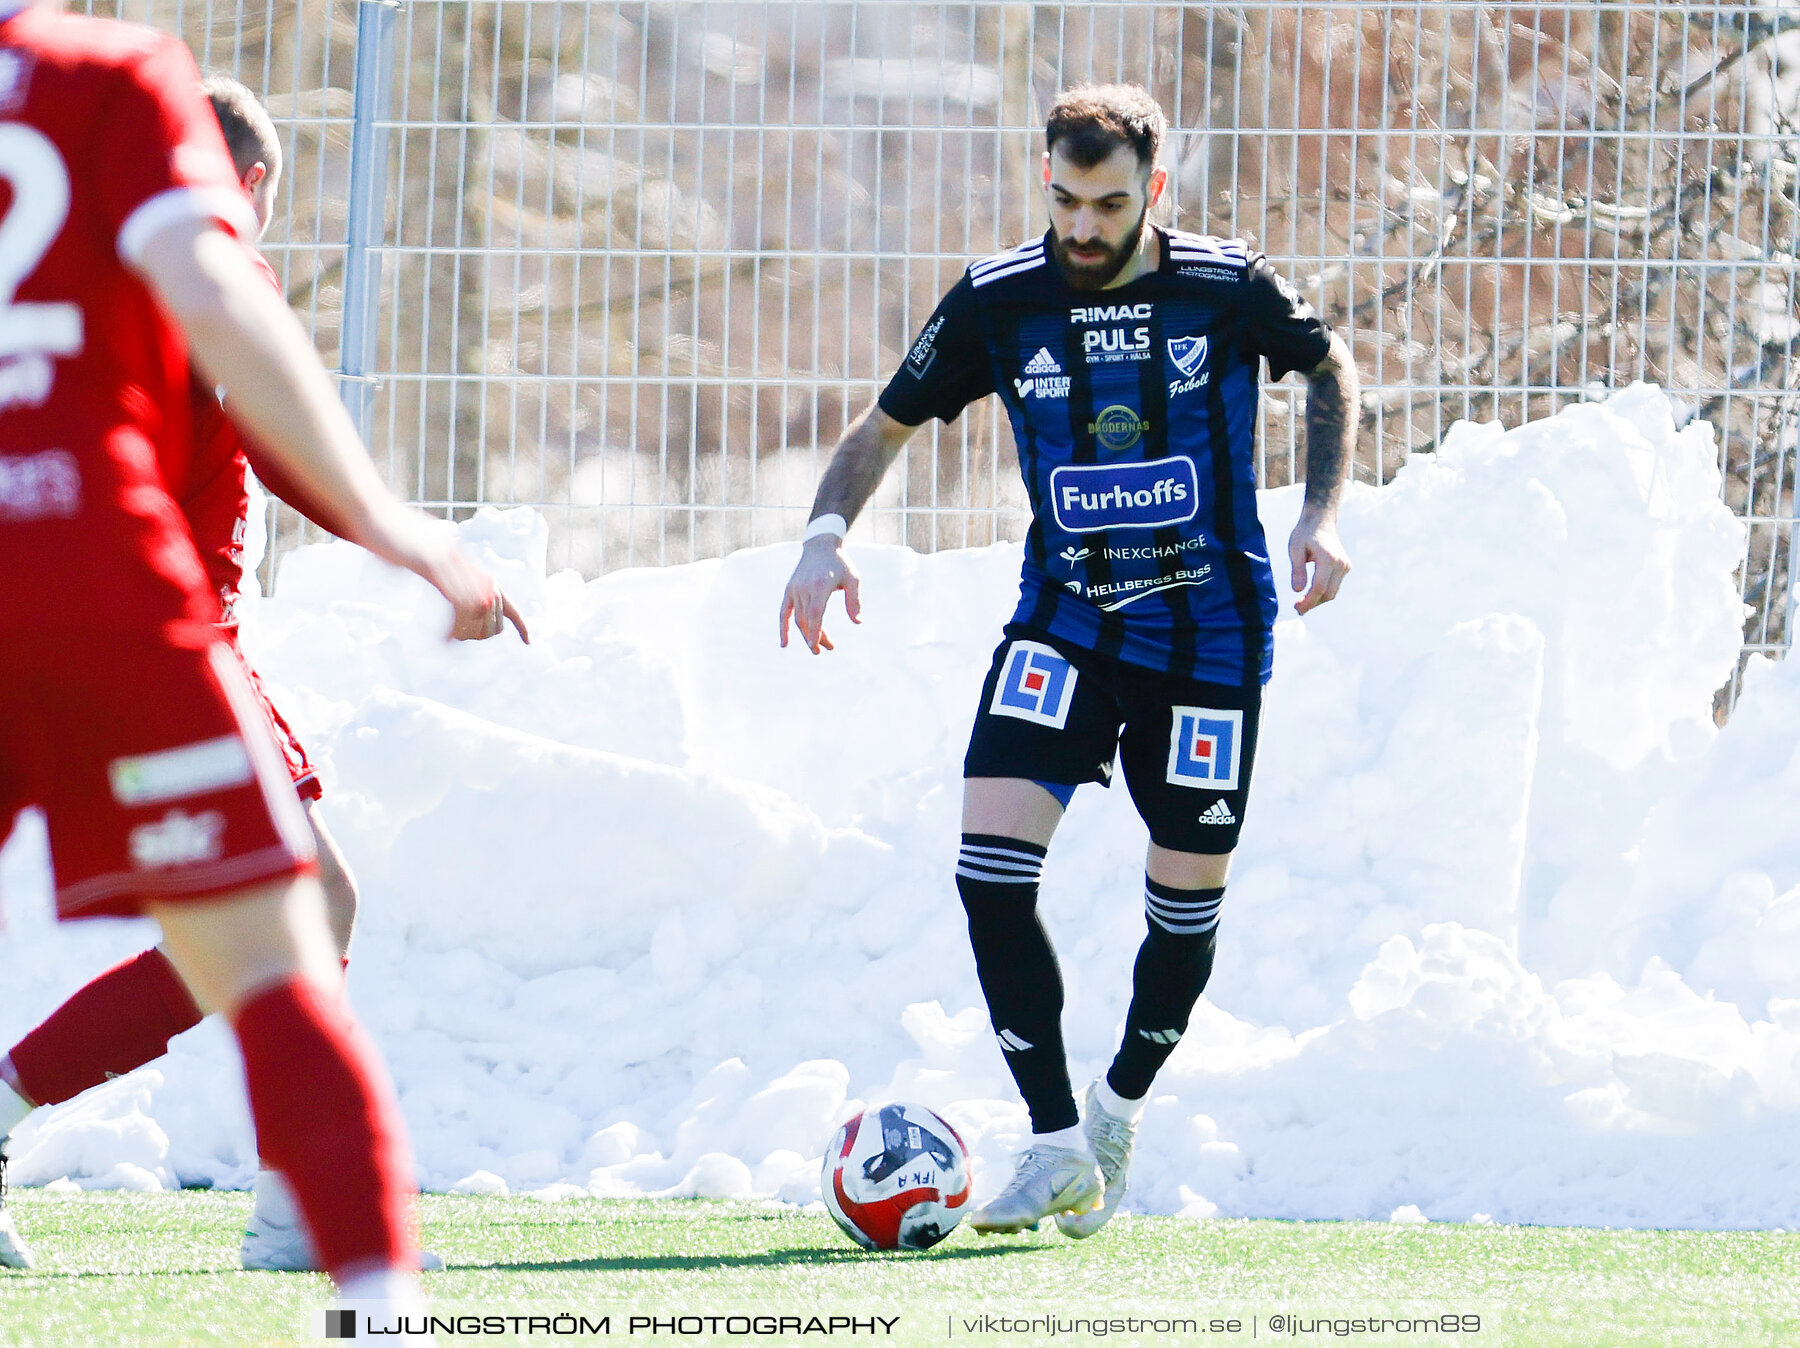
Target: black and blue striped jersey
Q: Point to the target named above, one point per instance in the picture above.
(1134, 409)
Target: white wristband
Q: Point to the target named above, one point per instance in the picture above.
(835, 525)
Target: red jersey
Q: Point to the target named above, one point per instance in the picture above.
(104, 140)
(207, 474)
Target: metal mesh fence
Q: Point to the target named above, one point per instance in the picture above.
(639, 263)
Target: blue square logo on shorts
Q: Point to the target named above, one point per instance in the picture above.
(1036, 685)
(1204, 746)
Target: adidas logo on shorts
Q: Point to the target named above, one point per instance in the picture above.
(1043, 363)
(1218, 813)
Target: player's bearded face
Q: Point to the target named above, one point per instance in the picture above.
(1097, 216)
(1089, 262)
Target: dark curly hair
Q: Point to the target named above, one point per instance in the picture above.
(1090, 121)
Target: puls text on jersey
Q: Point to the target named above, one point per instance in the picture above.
(1105, 344)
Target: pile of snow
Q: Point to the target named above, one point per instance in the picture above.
(651, 905)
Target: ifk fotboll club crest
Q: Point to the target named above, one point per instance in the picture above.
(1205, 744)
(1188, 353)
(1036, 685)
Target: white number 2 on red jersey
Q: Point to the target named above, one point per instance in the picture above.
(30, 163)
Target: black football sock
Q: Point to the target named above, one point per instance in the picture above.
(1172, 967)
(998, 881)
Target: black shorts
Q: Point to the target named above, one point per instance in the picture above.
(1054, 713)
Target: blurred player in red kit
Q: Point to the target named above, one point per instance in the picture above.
(132, 1010)
(128, 719)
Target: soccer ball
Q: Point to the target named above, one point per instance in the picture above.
(896, 1178)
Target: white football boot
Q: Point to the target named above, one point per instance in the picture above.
(1109, 1137)
(14, 1252)
(275, 1238)
(1048, 1180)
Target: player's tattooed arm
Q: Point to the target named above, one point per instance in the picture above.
(1332, 399)
(862, 459)
(855, 471)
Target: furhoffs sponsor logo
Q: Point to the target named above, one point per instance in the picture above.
(1125, 495)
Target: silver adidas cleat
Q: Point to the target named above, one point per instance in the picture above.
(276, 1240)
(14, 1252)
(1110, 1138)
(1049, 1180)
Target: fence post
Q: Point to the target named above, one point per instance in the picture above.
(359, 335)
(1791, 612)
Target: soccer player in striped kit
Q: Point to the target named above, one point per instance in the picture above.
(1129, 358)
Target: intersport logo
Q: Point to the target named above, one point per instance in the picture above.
(1044, 386)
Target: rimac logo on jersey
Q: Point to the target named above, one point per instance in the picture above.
(1204, 748)
(1189, 357)
(1109, 313)
(1149, 495)
(1036, 685)
(924, 351)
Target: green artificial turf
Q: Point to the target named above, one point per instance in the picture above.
(161, 1269)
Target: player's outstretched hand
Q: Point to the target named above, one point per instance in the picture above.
(478, 608)
(823, 570)
(1315, 542)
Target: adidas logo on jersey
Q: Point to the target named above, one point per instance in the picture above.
(1045, 378)
(1218, 813)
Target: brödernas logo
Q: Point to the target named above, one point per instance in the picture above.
(1117, 428)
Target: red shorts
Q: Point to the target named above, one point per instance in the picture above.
(300, 769)
(154, 768)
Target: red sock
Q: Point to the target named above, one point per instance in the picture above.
(120, 1021)
(326, 1118)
